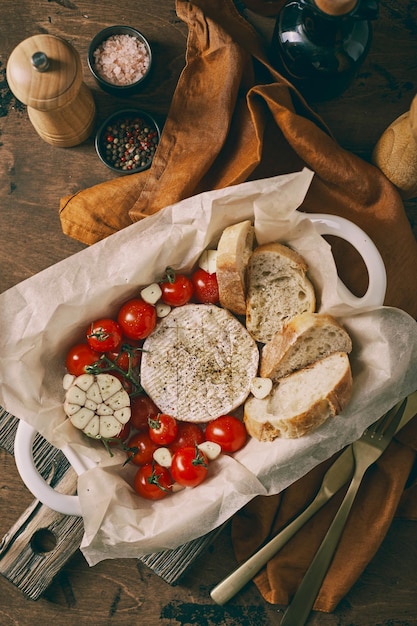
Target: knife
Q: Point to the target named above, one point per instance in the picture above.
(340, 472)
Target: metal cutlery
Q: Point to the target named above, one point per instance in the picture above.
(366, 451)
(336, 476)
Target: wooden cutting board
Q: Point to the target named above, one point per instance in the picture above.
(41, 541)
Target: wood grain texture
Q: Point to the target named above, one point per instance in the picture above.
(41, 541)
(33, 177)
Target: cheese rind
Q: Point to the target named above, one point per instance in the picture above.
(199, 363)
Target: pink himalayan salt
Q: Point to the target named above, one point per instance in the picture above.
(121, 59)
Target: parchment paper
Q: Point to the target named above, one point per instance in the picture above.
(43, 316)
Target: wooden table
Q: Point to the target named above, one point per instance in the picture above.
(35, 175)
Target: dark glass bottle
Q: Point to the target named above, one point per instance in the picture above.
(319, 47)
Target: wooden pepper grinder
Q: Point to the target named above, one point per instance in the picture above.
(396, 152)
(45, 73)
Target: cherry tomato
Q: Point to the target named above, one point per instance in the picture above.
(152, 481)
(125, 357)
(104, 335)
(189, 434)
(137, 318)
(141, 448)
(79, 357)
(206, 289)
(228, 431)
(189, 466)
(163, 429)
(177, 289)
(142, 409)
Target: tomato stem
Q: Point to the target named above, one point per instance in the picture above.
(153, 479)
(131, 451)
(104, 364)
(154, 423)
(106, 441)
(199, 459)
(99, 334)
(169, 275)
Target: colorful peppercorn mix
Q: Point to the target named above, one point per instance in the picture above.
(130, 143)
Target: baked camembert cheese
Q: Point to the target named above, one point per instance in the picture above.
(199, 363)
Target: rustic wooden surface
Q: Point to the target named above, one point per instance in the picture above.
(33, 177)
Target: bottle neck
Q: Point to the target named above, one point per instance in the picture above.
(322, 28)
(335, 8)
(343, 9)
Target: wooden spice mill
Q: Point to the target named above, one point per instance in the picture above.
(45, 73)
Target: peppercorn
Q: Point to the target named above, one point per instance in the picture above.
(130, 143)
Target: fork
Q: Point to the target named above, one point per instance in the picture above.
(339, 473)
(366, 451)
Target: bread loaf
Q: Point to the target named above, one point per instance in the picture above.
(302, 401)
(278, 289)
(304, 339)
(233, 252)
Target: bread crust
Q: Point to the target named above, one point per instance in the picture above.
(233, 251)
(304, 339)
(284, 251)
(266, 426)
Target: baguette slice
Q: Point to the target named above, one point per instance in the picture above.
(302, 401)
(233, 252)
(306, 338)
(278, 289)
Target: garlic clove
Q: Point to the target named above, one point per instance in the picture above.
(261, 387)
(152, 293)
(207, 261)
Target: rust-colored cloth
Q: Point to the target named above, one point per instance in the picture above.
(234, 118)
(387, 490)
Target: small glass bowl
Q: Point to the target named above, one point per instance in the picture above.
(105, 83)
(127, 140)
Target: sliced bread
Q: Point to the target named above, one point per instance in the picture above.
(233, 252)
(302, 401)
(278, 289)
(304, 339)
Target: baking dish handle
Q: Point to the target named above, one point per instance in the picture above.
(377, 278)
(23, 451)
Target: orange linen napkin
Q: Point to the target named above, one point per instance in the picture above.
(234, 118)
(387, 489)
